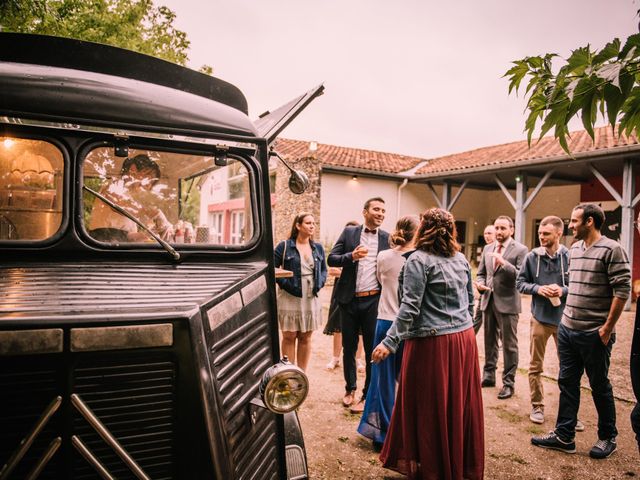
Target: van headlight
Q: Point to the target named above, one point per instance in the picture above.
(284, 387)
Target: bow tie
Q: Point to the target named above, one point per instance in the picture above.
(369, 230)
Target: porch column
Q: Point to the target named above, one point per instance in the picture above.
(522, 202)
(446, 195)
(521, 197)
(447, 203)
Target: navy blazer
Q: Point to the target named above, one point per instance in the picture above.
(340, 256)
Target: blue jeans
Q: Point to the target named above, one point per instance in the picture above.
(578, 352)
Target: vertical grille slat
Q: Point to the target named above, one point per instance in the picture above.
(240, 353)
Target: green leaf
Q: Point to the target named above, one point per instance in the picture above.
(611, 50)
(633, 42)
(630, 119)
(579, 60)
(610, 73)
(589, 111)
(613, 99)
(556, 116)
(516, 74)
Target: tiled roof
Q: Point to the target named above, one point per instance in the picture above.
(519, 153)
(354, 158)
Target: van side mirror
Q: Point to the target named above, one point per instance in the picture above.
(298, 181)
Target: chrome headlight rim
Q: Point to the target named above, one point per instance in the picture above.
(283, 371)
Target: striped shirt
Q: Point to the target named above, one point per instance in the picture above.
(596, 275)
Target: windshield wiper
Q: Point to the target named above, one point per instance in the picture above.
(172, 251)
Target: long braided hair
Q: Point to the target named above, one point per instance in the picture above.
(437, 233)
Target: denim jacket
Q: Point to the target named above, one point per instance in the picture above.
(437, 298)
(293, 285)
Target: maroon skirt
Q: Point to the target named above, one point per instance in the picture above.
(437, 425)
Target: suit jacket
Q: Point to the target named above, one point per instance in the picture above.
(340, 256)
(502, 281)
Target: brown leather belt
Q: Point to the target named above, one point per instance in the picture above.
(367, 293)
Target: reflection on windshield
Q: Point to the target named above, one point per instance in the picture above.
(31, 173)
(184, 199)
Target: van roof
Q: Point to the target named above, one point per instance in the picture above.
(65, 80)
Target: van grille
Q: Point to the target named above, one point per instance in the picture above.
(136, 402)
(25, 392)
(241, 353)
(134, 398)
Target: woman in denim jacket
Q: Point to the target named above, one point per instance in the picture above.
(299, 308)
(436, 428)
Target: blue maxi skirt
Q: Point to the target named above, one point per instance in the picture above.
(382, 390)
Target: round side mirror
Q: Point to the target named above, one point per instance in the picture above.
(298, 182)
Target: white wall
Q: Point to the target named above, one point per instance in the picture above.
(342, 199)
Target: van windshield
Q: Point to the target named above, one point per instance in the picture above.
(182, 198)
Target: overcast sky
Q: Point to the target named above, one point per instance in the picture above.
(416, 77)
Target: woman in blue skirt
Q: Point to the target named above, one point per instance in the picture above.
(382, 390)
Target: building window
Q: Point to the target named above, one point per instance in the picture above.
(237, 227)
(215, 222)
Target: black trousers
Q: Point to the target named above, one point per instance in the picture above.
(581, 352)
(635, 382)
(358, 316)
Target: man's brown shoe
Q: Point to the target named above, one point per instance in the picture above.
(349, 398)
(358, 407)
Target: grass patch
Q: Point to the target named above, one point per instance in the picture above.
(512, 457)
(343, 439)
(505, 414)
(535, 430)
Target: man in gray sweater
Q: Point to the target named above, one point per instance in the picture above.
(599, 286)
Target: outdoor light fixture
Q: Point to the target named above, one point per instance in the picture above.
(518, 178)
(313, 146)
(8, 142)
(355, 177)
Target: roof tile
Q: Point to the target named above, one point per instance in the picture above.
(520, 153)
(331, 155)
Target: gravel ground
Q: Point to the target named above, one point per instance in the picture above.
(336, 451)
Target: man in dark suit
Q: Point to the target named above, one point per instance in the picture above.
(358, 293)
(500, 303)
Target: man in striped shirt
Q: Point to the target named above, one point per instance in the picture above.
(599, 286)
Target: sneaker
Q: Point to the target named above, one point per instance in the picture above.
(553, 441)
(537, 415)
(361, 366)
(579, 426)
(334, 363)
(603, 448)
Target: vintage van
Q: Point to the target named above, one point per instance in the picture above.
(138, 330)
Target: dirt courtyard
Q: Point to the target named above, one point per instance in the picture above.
(336, 451)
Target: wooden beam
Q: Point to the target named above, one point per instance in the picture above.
(537, 189)
(457, 195)
(505, 191)
(605, 183)
(435, 194)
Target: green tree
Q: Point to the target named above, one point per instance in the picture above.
(132, 24)
(588, 82)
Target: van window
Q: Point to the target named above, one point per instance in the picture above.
(184, 199)
(31, 173)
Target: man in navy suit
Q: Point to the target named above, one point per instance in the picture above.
(356, 251)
